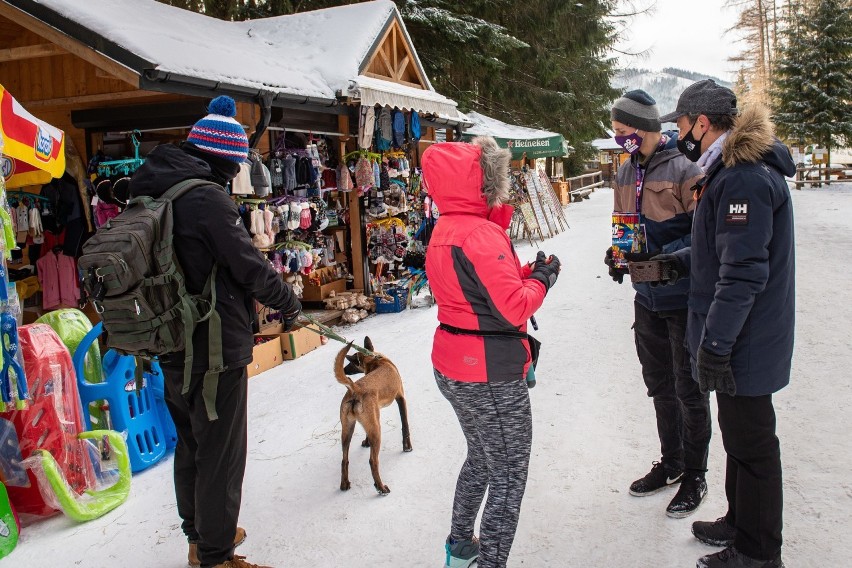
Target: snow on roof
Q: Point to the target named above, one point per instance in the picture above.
(487, 126)
(311, 54)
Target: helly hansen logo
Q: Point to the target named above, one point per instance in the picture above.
(737, 212)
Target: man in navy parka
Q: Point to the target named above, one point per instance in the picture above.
(741, 308)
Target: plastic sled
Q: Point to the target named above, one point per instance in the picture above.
(51, 421)
(131, 411)
(10, 527)
(95, 503)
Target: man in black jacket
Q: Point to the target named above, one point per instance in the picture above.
(210, 457)
(741, 309)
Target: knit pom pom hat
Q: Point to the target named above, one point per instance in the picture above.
(219, 133)
(637, 109)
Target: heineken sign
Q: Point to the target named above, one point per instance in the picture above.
(547, 147)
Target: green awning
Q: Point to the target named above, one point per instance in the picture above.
(519, 139)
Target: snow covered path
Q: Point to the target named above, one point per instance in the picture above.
(594, 433)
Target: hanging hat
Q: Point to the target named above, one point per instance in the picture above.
(219, 133)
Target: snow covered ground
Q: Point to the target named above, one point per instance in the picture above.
(594, 433)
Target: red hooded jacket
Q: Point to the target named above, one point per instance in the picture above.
(474, 273)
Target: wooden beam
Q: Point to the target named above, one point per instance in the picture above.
(69, 101)
(400, 68)
(70, 45)
(30, 52)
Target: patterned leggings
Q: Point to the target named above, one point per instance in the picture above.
(496, 420)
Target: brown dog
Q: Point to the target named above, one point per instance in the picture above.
(362, 403)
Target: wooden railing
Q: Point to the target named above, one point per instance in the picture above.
(581, 186)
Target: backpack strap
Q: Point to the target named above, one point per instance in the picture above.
(215, 362)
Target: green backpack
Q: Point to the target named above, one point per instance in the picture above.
(134, 281)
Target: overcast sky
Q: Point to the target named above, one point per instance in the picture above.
(688, 34)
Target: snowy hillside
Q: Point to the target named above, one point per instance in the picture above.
(665, 86)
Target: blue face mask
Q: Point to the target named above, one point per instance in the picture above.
(630, 143)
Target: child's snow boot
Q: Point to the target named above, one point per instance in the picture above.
(461, 553)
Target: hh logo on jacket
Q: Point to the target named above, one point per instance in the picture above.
(737, 212)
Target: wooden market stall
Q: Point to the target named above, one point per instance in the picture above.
(101, 72)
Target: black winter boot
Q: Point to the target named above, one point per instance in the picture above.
(718, 533)
(733, 558)
(693, 489)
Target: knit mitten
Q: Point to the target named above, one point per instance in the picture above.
(295, 212)
(305, 217)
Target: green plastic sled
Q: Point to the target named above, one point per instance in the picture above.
(96, 503)
(8, 524)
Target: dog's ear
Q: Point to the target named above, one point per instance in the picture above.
(352, 358)
(368, 344)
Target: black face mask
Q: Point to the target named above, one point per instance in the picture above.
(689, 146)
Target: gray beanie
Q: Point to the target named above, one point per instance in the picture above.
(637, 109)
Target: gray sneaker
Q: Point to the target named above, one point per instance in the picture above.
(461, 553)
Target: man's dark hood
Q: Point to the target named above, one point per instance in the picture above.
(166, 166)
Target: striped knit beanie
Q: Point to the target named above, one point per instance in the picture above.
(219, 133)
(637, 109)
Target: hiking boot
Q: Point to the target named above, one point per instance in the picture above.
(461, 553)
(690, 494)
(192, 557)
(718, 533)
(732, 558)
(239, 562)
(660, 477)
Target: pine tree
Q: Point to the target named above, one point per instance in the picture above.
(813, 86)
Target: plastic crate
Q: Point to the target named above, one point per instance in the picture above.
(396, 304)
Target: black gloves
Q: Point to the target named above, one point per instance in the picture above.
(617, 274)
(640, 256)
(672, 269)
(288, 319)
(546, 269)
(714, 373)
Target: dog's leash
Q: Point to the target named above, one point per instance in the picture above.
(323, 329)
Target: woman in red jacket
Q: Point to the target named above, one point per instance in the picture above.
(480, 353)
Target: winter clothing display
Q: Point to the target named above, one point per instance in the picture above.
(57, 274)
(241, 184)
(219, 133)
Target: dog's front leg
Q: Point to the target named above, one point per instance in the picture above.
(348, 430)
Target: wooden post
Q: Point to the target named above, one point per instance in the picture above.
(450, 133)
(355, 234)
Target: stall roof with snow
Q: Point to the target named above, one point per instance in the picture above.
(163, 48)
(519, 139)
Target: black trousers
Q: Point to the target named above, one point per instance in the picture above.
(683, 413)
(210, 461)
(753, 476)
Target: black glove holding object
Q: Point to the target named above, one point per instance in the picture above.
(640, 256)
(673, 267)
(289, 318)
(546, 269)
(715, 373)
(616, 273)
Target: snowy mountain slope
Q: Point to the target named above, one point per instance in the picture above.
(665, 86)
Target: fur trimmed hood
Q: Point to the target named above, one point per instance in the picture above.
(752, 140)
(469, 178)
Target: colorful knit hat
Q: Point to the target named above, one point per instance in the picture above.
(219, 134)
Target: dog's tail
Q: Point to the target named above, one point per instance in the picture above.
(342, 377)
